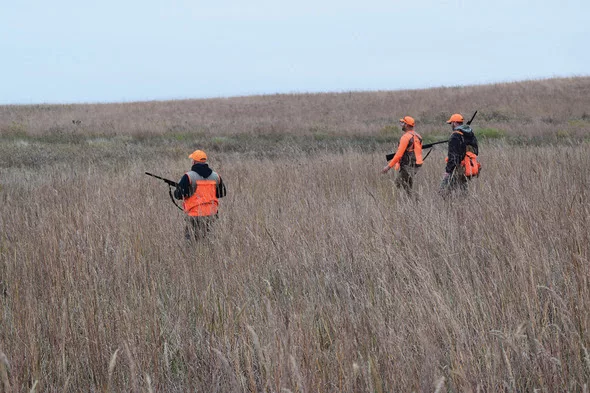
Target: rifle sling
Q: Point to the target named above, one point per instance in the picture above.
(172, 198)
(427, 154)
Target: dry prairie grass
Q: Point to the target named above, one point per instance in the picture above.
(531, 109)
(319, 276)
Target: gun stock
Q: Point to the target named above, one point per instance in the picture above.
(169, 182)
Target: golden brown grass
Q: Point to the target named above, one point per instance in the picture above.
(531, 108)
(319, 275)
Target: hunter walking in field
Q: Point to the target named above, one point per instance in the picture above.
(408, 158)
(199, 190)
(461, 159)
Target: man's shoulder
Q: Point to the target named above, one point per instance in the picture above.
(214, 175)
(406, 136)
(457, 134)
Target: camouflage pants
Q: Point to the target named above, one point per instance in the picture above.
(197, 227)
(405, 178)
(454, 184)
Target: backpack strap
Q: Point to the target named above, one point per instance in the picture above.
(411, 142)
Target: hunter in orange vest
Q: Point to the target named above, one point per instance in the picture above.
(200, 190)
(408, 157)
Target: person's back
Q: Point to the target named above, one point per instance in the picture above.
(462, 140)
(200, 188)
(461, 143)
(201, 192)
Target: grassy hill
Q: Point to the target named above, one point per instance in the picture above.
(524, 112)
(319, 274)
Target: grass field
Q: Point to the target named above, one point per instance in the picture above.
(319, 276)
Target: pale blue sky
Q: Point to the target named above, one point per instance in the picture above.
(71, 51)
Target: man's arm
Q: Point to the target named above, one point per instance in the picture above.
(183, 188)
(401, 149)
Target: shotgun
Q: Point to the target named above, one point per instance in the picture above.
(389, 156)
(170, 185)
(169, 182)
(472, 117)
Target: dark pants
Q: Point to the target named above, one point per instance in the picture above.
(405, 178)
(198, 227)
(454, 184)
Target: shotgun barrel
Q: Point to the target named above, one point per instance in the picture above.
(169, 182)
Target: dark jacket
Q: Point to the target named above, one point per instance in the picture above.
(458, 146)
(184, 187)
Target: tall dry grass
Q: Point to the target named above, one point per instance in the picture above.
(319, 275)
(539, 108)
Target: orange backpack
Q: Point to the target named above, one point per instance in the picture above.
(472, 166)
(469, 164)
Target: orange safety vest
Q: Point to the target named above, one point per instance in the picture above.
(410, 142)
(202, 200)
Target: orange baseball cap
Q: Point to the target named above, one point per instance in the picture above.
(408, 120)
(198, 155)
(456, 117)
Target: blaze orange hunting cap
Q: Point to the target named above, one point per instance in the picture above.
(408, 120)
(199, 156)
(456, 117)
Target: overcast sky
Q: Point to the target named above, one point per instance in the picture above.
(67, 51)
